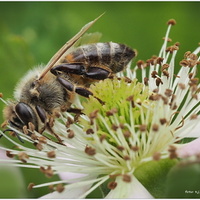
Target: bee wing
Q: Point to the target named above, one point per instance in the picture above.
(65, 47)
(88, 38)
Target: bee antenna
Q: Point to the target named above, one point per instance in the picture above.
(17, 134)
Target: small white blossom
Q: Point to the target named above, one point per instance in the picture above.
(140, 121)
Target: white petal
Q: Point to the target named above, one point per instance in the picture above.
(68, 193)
(70, 175)
(129, 190)
(189, 149)
(195, 132)
(3, 154)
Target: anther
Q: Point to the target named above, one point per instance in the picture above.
(158, 81)
(177, 44)
(60, 188)
(126, 157)
(187, 54)
(135, 148)
(114, 127)
(42, 139)
(90, 151)
(168, 39)
(71, 134)
(111, 112)
(4, 124)
(34, 136)
(166, 73)
(163, 121)
(182, 86)
(154, 97)
(69, 122)
(130, 98)
(89, 131)
(9, 154)
(31, 126)
(112, 185)
(168, 92)
(30, 186)
(38, 146)
(172, 151)
(127, 80)
(171, 22)
(51, 188)
(140, 64)
(155, 127)
(25, 130)
(102, 138)
(126, 178)
(23, 157)
(1, 95)
(159, 60)
(193, 116)
(143, 127)
(121, 148)
(154, 74)
(193, 56)
(48, 171)
(184, 63)
(93, 114)
(165, 100)
(164, 67)
(51, 154)
(146, 80)
(127, 134)
(156, 156)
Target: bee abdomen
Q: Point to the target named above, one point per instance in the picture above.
(113, 55)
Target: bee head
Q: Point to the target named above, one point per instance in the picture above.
(19, 115)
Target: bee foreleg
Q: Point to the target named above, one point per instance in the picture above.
(41, 113)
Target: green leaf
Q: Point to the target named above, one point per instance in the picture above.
(184, 181)
(153, 176)
(13, 185)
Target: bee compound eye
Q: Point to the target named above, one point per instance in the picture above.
(24, 112)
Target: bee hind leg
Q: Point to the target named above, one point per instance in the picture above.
(92, 72)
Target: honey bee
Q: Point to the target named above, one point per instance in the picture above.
(45, 92)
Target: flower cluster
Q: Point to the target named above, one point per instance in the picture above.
(135, 122)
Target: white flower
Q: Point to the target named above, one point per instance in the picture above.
(138, 122)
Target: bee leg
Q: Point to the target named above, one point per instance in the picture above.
(98, 73)
(18, 136)
(72, 68)
(77, 89)
(76, 111)
(60, 141)
(93, 72)
(86, 93)
(41, 113)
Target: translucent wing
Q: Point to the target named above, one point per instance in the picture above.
(66, 47)
(88, 38)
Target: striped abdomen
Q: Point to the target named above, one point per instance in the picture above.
(112, 55)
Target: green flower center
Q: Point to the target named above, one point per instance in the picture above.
(123, 119)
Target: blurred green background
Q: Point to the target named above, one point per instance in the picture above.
(31, 32)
